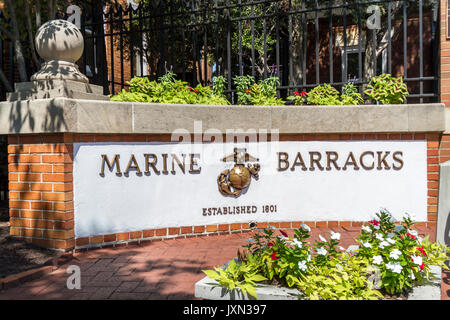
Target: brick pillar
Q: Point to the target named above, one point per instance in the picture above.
(40, 189)
(444, 150)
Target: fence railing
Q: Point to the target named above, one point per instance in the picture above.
(304, 43)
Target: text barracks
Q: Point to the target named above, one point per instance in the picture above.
(332, 160)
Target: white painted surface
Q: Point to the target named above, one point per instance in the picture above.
(113, 204)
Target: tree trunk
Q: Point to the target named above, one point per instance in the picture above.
(30, 35)
(17, 45)
(38, 13)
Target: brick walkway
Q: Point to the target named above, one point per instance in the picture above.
(159, 270)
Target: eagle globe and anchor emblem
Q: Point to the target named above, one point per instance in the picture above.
(232, 182)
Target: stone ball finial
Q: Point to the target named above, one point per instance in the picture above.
(59, 40)
(60, 43)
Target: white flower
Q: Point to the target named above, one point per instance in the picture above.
(283, 238)
(391, 241)
(366, 229)
(412, 276)
(394, 267)
(322, 251)
(302, 265)
(297, 243)
(335, 235)
(379, 236)
(377, 259)
(417, 260)
(366, 244)
(383, 244)
(395, 254)
(306, 227)
(322, 238)
(308, 258)
(341, 248)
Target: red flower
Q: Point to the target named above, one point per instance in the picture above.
(296, 93)
(274, 256)
(409, 234)
(304, 93)
(374, 222)
(270, 244)
(248, 91)
(421, 250)
(284, 233)
(422, 266)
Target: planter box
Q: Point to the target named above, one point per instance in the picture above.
(209, 289)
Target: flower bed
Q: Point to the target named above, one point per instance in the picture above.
(383, 89)
(390, 261)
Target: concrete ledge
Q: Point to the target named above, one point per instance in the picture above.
(93, 116)
(447, 121)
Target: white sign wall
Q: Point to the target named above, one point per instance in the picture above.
(337, 181)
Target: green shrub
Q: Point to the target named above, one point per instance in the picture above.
(323, 94)
(350, 95)
(402, 258)
(170, 90)
(387, 89)
(263, 93)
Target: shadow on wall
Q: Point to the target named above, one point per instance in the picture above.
(23, 117)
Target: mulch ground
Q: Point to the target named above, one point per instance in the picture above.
(17, 256)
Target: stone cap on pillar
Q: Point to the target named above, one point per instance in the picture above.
(60, 43)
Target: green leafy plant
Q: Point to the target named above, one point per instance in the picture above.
(386, 89)
(350, 95)
(323, 94)
(262, 93)
(237, 275)
(170, 90)
(396, 250)
(298, 98)
(343, 277)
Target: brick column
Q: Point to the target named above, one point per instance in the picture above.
(444, 56)
(40, 189)
(444, 148)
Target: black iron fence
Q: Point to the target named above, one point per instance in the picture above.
(304, 43)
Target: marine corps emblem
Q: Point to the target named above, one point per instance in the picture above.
(233, 182)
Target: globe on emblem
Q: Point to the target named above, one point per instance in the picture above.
(239, 177)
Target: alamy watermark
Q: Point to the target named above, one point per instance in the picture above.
(74, 280)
